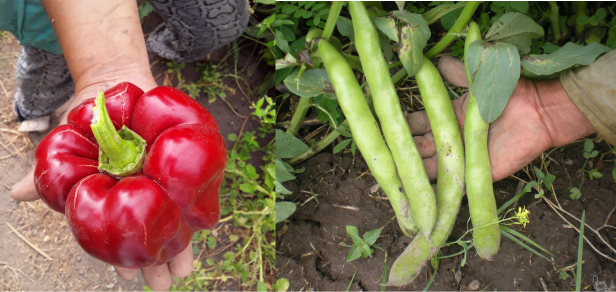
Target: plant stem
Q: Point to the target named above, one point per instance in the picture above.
(299, 115)
(123, 151)
(332, 18)
(394, 65)
(555, 19)
(317, 147)
(457, 28)
(581, 11)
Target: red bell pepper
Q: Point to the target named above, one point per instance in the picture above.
(136, 174)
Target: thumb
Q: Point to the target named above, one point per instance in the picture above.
(24, 190)
(453, 71)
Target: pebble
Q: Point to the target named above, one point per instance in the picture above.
(474, 285)
(458, 276)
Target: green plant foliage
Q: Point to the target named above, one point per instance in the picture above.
(517, 29)
(313, 82)
(490, 64)
(569, 55)
(414, 35)
(361, 245)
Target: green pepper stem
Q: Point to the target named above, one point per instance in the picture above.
(119, 152)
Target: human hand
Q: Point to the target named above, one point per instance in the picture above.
(539, 115)
(157, 277)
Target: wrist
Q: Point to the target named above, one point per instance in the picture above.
(104, 76)
(564, 121)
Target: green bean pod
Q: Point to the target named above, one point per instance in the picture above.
(407, 159)
(479, 191)
(450, 184)
(366, 133)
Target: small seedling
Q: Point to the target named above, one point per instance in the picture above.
(575, 193)
(564, 275)
(361, 245)
(458, 50)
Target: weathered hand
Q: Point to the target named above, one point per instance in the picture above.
(539, 115)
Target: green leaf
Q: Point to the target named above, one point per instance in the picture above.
(145, 9)
(588, 145)
(539, 173)
(288, 8)
(601, 13)
(594, 20)
(371, 236)
(439, 11)
(232, 137)
(594, 154)
(388, 51)
(345, 26)
(569, 55)
(313, 82)
(211, 242)
(280, 189)
(549, 179)
(248, 187)
(575, 193)
(316, 20)
(596, 174)
(282, 173)
(344, 133)
(520, 6)
(288, 146)
(261, 287)
(354, 234)
(266, 2)
(517, 29)
(400, 5)
(448, 20)
(495, 69)
(549, 48)
(282, 74)
(586, 155)
(284, 209)
(387, 25)
(529, 186)
(233, 238)
(365, 250)
(281, 42)
(583, 19)
(354, 254)
(288, 34)
(342, 145)
(414, 37)
(282, 285)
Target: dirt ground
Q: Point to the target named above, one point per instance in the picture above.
(42, 254)
(312, 255)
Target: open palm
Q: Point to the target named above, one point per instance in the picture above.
(539, 115)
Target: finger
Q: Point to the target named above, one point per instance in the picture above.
(126, 273)
(24, 190)
(430, 167)
(453, 71)
(157, 277)
(182, 264)
(425, 145)
(459, 107)
(418, 123)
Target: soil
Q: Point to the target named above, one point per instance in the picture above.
(313, 243)
(68, 266)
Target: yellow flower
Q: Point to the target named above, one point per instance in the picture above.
(522, 216)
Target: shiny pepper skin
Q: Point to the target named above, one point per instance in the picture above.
(147, 218)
